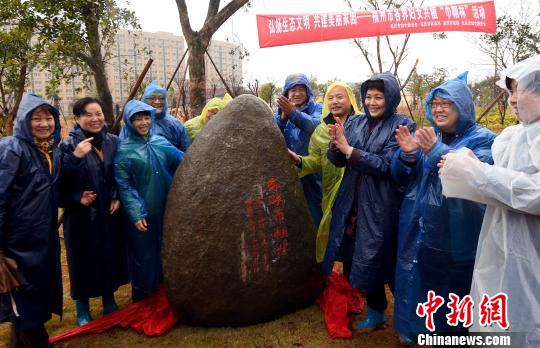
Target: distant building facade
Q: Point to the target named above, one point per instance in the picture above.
(130, 54)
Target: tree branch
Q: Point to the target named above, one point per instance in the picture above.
(211, 25)
(213, 7)
(365, 54)
(379, 60)
(184, 19)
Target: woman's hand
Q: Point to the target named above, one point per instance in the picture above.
(426, 138)
(141, 225)
(466, 151)
(405, 140)
(83, 148)
(294, 157)
(338, 138)
(87, 198)
(115, 205)
(286, 106)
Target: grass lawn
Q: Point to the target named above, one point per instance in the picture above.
(304, 328)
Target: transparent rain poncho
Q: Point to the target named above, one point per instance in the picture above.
(508, 254)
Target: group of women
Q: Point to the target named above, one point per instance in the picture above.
(113, 191)
(405, 207)
(398, 206)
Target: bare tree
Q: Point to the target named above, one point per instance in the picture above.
(198, 41)
(375, 49)
(214, 83)
(253, 87)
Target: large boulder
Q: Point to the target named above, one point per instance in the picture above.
(239, 243)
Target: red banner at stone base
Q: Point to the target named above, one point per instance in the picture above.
(279, 30)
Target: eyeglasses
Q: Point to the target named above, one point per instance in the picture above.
(156, 99)
(444, 105)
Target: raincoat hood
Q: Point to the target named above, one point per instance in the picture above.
(154, 88)
(527, 75)
(350, 94)
(392, 95)
(132, 107)
(458, 92)
(295, 80)
(22, 128)
(215, 103)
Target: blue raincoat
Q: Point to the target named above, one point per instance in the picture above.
(29, 198)
(165, 124)
(378, 197)
(297, 131)
(437, 236)
(144, 169)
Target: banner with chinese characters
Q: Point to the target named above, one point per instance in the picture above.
(279, 30)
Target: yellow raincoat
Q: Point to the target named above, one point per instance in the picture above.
(196, 124)
(316, 161)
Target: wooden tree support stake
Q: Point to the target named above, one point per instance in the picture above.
(177, 68)
(219, 74)
(116, 126)
(491, 105)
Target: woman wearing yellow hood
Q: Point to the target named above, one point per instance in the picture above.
(339, 103)
(196, 124)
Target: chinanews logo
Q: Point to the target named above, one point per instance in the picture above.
(491, 310)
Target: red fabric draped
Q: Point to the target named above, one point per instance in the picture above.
(151, 316)
(337, 301)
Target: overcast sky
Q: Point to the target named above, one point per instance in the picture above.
(327, 60)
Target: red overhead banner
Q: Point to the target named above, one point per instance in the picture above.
(278, 30)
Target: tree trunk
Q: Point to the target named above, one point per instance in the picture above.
(104, 93)
(18, 96)
(97, 64)
(197, 77)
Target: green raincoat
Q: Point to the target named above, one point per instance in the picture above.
(317, 161)
(196, 124)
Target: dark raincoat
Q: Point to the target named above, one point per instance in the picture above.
(144, 169)
(297, 131)
(95, 239)
(437, 236)
(164, 124)
(29, 221)
(378, 198)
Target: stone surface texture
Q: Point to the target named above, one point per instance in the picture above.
(239, 243)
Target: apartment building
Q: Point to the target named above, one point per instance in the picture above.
(130, 54)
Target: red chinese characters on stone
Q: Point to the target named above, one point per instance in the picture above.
(494, 310)
(265, 237)
(429, 308)
(275, 204)
(460, 311)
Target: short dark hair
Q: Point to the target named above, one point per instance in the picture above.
(140, 113)
(79, 108)
(47, 108)
(375, 84)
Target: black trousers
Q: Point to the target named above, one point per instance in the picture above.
(31, 338)
(376, 298)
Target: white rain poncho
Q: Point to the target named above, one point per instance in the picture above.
(508, 254)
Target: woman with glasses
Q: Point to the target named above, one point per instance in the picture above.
(437, 236)
(508, 255)
(94, 237)
(164, 124)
